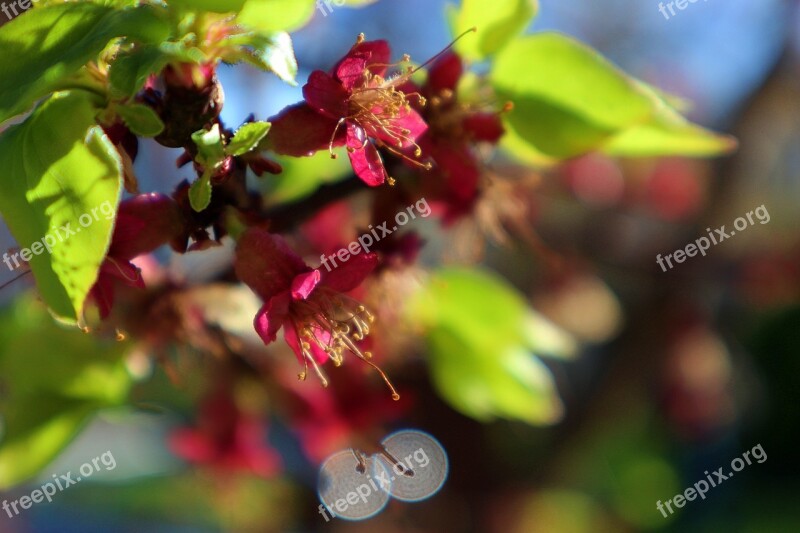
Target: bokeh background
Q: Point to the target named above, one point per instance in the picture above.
(679, 372)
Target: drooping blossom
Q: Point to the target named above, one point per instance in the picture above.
(143, 223)
(319, 320)
(357, 106)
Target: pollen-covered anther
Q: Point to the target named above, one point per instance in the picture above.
(334, 323)
(361, 38)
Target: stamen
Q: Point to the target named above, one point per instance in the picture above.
(445, 49)
(333, 136)
(343, 320)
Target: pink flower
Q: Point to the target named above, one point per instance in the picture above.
(356, 106)
(455, 128)
(143, 223)
(319, 321)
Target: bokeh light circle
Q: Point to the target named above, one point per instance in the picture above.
(360, 493)
(421, 467)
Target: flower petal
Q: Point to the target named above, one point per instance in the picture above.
(300, 131)
(444, 74)
(266, 263)
(370, 55)
(459, 169)
(347, 276)
(326, 95)
(409, 120)
(144, 223)
(364, 157)
(486, 127)
(290, 336)
(304, 284)
(270, 317)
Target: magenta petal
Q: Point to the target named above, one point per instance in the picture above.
(379, 55)
(304, 284)
(372, 55)
(350, 72)
(351, 274)
(270, 317)
(290, 336)
(414, 122)
(266, 264)
(364, 157)
(409, 120)
(326, 95)
(300, 131)
(485, 127)
(444, 74)
(144, 223)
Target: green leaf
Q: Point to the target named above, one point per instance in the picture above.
(498, 23)
(59, 166)
(47, 45)
(247, 138)
(669, 134)
(276, 15)
(210, 150)
(210, 154)
(278, 56)
(273, 53)
(302, 176)
(213, 6)
(568, 100)
(141, 119)
(200, 192)
(53, 380)
(130, 70)
(482, 338)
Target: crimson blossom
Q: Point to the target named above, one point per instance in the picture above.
(354, 105)
(143, 223)
(319, 321)
(456, 127)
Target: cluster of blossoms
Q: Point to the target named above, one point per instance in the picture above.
(390, 126)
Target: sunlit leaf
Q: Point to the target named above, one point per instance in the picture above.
(44, 46)
(276, 15)
(53, 379)
(247, 138)
(483, 344)
(498, 22)
(58, 167)
(569, 100)
(302, 176)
